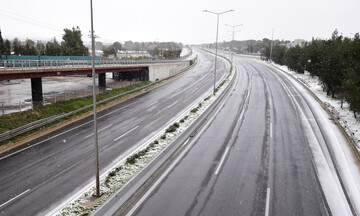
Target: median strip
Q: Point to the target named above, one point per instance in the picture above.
(121, 174)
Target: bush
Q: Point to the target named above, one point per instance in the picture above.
(163, 136)
(194, 110)
(171, 129)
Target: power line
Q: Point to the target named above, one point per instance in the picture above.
(28, 20)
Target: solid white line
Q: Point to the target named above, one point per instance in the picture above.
(126, 133)
(222, 160)
(115, 110)
(152, 104)
(15, 198)
(242, 114)
(98, 131)
(173, 104)
(194, 90)
(267, 202)
(270, 129)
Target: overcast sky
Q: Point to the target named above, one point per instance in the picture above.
(179, 20)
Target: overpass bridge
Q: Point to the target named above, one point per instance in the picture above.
(122, 70)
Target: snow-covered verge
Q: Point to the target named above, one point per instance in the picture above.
(129, 168)
(339, 171)
(346, 117)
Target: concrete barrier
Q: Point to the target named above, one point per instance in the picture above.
(162, 71)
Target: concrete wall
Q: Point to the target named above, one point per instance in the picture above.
(162, 71)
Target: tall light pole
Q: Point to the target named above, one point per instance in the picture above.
(233, 34)
(271, 45)
(97, 193)
(217, 34)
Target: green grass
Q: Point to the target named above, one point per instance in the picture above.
(15, 120)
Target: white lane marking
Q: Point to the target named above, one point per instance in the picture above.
(14, 198)
(152, 104)
(173, 104)
(21, 150)
(242, 114)
(115, 110)
(126, 133)
(267, 202)
(136, 206)
(222, 160)
(270, 129)
(194, 90)
(98, 131)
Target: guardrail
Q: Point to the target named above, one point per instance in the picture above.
(37, 124)
(54, 64)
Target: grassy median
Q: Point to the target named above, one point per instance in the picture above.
(15, 120)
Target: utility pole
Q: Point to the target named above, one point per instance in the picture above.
(233, 35)
(97, 193)
(271, 46)
(217, 34)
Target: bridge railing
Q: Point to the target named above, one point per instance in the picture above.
(54, 64)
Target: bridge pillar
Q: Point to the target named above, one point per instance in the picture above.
(102, 80)
(36, 89)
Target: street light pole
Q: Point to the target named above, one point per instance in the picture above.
(217, 34)
(271, 45)
(233, 35)
(97, 193)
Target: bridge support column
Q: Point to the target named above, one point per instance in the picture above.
(36, 89)
(102, 80)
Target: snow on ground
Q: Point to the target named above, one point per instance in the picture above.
(348, 165)
(120, 175)
(346, 117)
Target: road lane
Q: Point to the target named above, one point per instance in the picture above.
(57, 167)
(254, 158)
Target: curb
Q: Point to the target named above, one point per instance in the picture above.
(346, 135)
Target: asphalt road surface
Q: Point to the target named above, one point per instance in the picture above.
(39, 178)
(253, 158)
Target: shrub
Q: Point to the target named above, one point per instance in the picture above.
(171, 129)
(194, 110)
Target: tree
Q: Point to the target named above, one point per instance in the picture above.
(278, 54)
(295, 59)
(17, 47)
(2, 45)
(110, 51)
(332, 68)
(40, 47)
(29, 48)
(53, 48)
(351, 81)
(72, 44)
(99, 45)
(117, 46)
(7, 50)
(129, 45)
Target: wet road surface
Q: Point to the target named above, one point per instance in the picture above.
(253, 158)
(41, 177)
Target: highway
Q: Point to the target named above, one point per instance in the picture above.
(53, 168)
(258, 156)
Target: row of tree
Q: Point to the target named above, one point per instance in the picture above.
(168, 50)
(335, 61)
(245, 46)
(72, 45)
